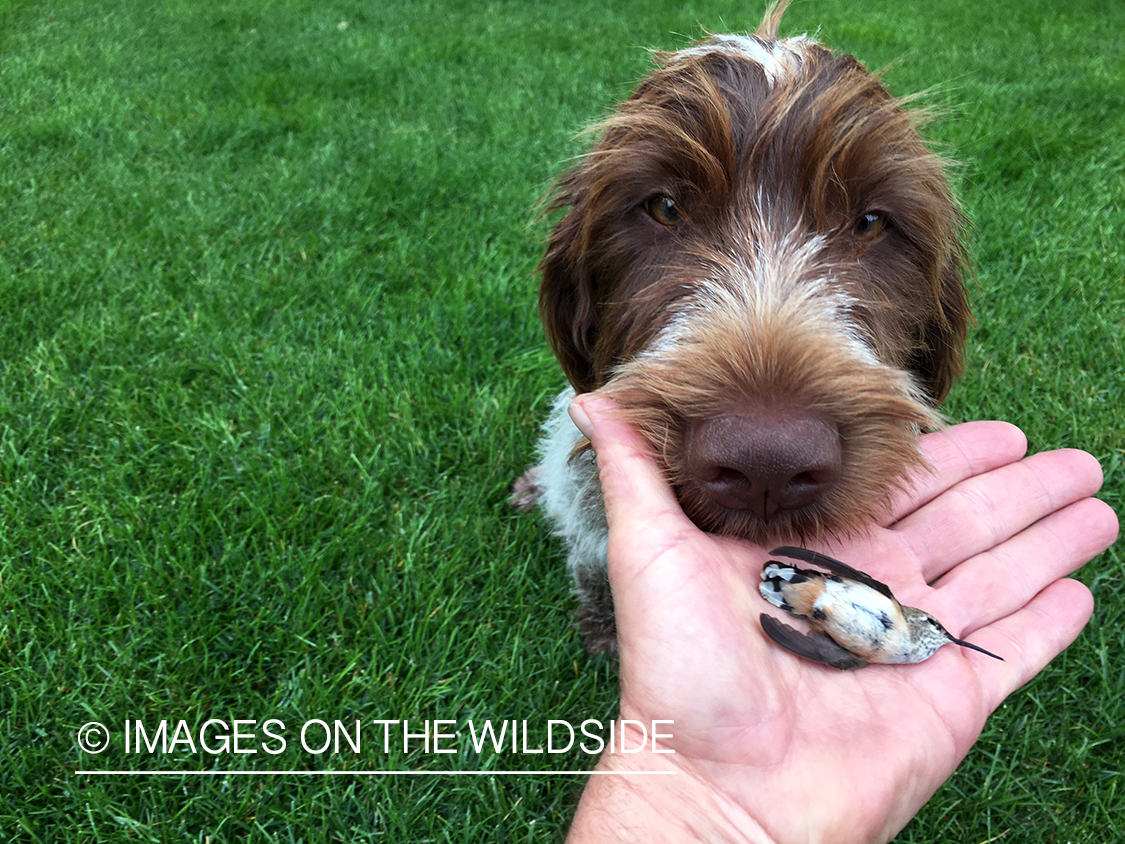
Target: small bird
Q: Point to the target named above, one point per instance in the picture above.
(855, 618)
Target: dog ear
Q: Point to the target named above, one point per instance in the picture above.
(939, 361)
(567, 295)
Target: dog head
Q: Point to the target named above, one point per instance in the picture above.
(760, 259)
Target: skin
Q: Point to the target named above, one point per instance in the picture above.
(995, 532)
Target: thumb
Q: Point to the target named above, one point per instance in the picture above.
(635, 488)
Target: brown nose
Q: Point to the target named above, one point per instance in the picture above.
(764, 461)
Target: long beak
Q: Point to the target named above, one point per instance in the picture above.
(965, 644)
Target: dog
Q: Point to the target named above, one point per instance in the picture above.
(762, 262)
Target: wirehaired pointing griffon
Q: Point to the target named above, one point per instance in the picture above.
(760, 261)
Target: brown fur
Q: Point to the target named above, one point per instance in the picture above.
(770, 178)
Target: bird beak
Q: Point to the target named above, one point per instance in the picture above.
(965, 644)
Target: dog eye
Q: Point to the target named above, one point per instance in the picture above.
(664, 210)
(869, 226)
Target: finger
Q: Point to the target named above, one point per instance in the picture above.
(667, 577)
(1031, 638)
(955, 454)
(1000, 581)
(984, 510)
(634, 487)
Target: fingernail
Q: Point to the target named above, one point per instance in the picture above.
(580, 419)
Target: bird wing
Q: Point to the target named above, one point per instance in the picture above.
(812, 646)
(834, 566)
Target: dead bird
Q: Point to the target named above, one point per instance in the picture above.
(856, 620)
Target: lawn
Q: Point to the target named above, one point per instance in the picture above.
(270, 360)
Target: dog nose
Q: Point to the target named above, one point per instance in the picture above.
(764, 461)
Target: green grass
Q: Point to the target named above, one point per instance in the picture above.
(269, 360)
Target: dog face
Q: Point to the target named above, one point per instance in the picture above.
(760, 261)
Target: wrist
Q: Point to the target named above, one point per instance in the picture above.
(647, 796)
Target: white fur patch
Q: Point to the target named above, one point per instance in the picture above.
(784, 276)
(779, 60)
(570, 492)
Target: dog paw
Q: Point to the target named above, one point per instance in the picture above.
(525, 491)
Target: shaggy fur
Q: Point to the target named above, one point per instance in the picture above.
(760, 261)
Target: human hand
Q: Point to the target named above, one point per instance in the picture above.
(770, 747)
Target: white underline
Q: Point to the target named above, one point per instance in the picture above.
(368, 773)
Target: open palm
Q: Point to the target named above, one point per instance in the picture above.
(994, 534)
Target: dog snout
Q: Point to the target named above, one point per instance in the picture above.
(763, 461)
